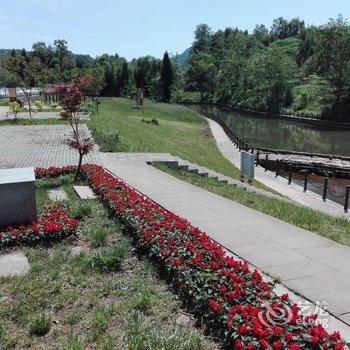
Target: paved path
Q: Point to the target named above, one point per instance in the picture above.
(279, 184)
(3, 112)
(313, 266)
(38, 145)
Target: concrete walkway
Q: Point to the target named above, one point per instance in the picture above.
(279, 184)
(306, 263)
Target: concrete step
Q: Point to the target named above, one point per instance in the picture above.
(185, 165)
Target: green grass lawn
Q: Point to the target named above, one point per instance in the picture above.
(180, 132)
(337, 229)
(106, 297)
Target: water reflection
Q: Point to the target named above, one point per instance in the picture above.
(281, 134)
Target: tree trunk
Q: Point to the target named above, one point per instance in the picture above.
(30, 107)
(77, 173)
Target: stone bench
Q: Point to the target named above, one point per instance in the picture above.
(17, 196)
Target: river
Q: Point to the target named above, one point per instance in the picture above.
(282, 134)
(291, 136)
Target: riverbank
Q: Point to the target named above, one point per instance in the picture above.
(294, 118)
(287, 117)
(292, 191)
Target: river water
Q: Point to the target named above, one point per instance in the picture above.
(291, 136)
(282, 134)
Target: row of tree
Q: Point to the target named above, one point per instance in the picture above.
(264, 70)
(113, 75)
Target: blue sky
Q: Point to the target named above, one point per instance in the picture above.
(136, 28)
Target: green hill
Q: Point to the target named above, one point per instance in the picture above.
(291, 46)
(182, 58)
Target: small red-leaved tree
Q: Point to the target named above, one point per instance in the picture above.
(71, 101)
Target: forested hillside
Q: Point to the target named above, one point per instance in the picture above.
(287, 67)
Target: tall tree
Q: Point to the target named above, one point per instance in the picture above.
(26, 73)
(269, 73)
(123, 79)
(203, 35)
(166, 78)
(333, 57)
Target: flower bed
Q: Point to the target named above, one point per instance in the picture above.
(234, 301)
(52, 224)
(53, 171)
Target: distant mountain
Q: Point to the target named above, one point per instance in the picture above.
(182, 58)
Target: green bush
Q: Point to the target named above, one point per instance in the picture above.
(4, 102)
(40, 325)
(88, 106)
(107, 139)
(39, 105)
(54, 105)
(14, 108)
(109, 258)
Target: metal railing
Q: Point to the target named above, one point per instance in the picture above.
(242, 145)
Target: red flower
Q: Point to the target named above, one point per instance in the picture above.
(243, 329)
(214, 305)
(263, 344)
(277, 345)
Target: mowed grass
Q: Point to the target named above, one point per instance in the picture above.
(337, 229)
(101, 296)
(180, 132)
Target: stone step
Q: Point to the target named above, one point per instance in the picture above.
(13, 264)
(202, 171)
(57, 194)
(84, 192)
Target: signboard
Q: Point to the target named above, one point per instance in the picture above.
(247, 164)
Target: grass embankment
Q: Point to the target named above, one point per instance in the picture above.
(104, 297)
(337, 229)
(180, 132)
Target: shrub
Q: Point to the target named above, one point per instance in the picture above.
(14, 109)
(110, 139)
(4, 102)
(108, 258)
(54, 105)
(88, 106)
(40, 325)
(39, 105)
